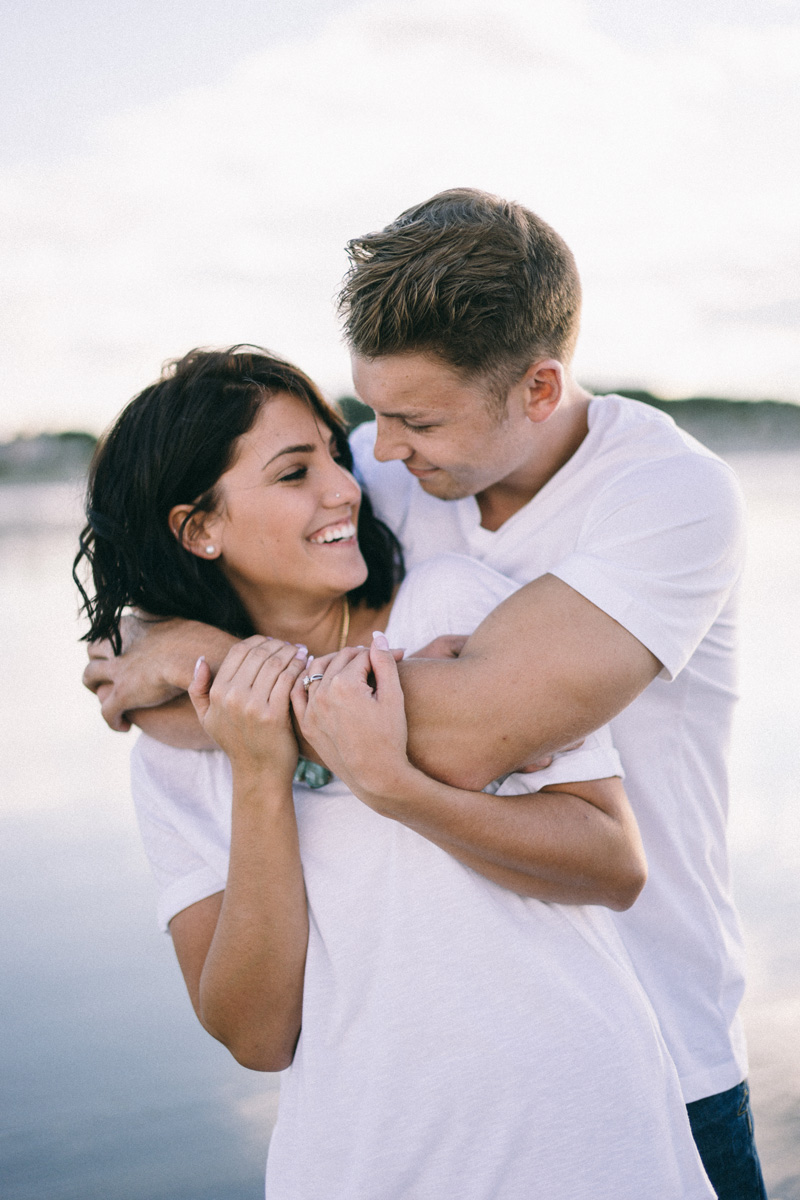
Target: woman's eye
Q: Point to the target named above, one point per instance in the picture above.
(297, 473)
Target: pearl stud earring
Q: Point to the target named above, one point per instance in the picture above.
(210, 549)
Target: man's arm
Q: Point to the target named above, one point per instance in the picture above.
(542, 670)
(156, 667)
(571, 842)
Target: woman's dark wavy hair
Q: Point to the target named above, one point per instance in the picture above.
(170, 446)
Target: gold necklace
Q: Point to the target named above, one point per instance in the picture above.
(345, 627)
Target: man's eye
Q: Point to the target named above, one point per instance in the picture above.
(417, 428)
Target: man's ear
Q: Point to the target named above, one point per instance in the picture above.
(198, 533)
(543, 385)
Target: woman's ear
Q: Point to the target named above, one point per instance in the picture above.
(195, 530)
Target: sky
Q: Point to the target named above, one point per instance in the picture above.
(175, 174)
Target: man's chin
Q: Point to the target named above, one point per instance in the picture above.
(443, 486)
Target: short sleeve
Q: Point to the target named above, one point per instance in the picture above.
(660, 551)
(185, 844)
(595, 758)
(446, 594)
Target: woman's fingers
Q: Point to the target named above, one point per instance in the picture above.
(200, 687)
(384, 667)
(351, 665)
(235, 657)
(274, 682)
(330, 667)
(247, 659)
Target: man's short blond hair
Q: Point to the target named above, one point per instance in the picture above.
(481, 283)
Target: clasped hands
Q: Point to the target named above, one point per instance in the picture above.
(153, 671)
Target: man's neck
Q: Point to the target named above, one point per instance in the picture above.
(558, 439)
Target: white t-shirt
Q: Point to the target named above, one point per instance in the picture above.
(648, 525)
(457, 1040)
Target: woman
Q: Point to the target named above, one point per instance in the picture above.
(445, 1033)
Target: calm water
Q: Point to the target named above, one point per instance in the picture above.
(108, 1086)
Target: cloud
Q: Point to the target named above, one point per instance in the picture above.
(221, 214)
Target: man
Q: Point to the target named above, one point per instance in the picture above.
(462, 317)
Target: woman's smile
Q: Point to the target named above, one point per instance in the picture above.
(286, 524)
(334, 535)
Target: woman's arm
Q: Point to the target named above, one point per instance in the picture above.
(242, 951)
(576, 843)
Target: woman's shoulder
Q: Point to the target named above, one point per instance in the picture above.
(449, 593)
(159, 771)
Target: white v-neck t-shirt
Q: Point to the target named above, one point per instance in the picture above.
(648, 525)
(458, 1041)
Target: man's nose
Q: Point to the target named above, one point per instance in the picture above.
(389, 442)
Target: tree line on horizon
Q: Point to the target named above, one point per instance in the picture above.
(721, 423)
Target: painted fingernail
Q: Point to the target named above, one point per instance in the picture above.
(201, 659)
(379, 640)
(302, 651)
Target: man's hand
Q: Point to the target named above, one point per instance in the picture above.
(155, 666)
(448, 645)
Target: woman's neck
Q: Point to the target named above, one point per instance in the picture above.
(321, 629)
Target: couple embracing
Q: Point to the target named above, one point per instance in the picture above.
(489, 968)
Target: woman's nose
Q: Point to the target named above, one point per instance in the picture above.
(342, 489)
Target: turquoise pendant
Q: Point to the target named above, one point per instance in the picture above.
(311, 774)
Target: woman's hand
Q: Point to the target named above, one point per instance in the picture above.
(358, 730)
(246, 708)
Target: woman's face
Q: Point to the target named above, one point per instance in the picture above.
(286, 524)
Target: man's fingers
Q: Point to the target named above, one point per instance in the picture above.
(447, 645)
(541, 764)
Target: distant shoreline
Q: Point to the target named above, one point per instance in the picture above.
(723, 425)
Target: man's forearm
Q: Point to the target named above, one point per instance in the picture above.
(543, 670)
(156, 666)
(174, 723)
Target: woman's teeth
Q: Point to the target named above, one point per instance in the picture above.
(336, 533)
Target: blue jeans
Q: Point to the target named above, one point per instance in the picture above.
(723, 1130)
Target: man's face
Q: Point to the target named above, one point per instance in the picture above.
(447, 431)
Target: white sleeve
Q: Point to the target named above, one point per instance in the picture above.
(185, 839)
(660, 551)
(596, 758)
(453, 594)
(446, 594)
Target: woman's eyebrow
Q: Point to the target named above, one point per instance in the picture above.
(306, 448)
